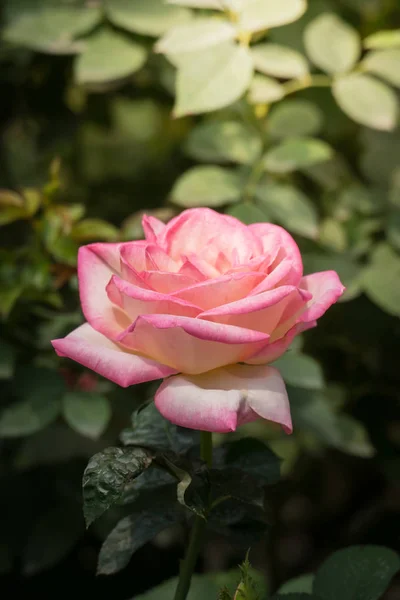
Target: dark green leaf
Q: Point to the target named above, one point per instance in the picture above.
(312, 413)
(132, 533)
(303, 583)
(87, 412)
(232, 482)
(295, 596)
(7, 360)
(151, 430)
(254, 457)
(297, 153)
(107, 476)
(151, 479)
(292, 118)
(193, 490)
(358, 572)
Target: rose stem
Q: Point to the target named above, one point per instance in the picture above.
(197, 533)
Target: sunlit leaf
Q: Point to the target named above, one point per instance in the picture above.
(195, 35)
(383, 39)
(264, 14)
(207, 186)
(108, 56)
(149, 17)
(212, 79)
(264, 90)
(384, 64)
(367, 101)
(381, 279)
(279, 61)
(94, 229)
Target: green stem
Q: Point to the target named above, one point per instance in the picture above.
(197, 534)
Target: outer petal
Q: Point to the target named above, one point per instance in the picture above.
(191, 345)
(136, 301)
(96, 265)
(274, 350)
(223, 399)
(91, 349)
(261, 312)
(326, 289)
(273, 236)
(190, 232)
(152, 228)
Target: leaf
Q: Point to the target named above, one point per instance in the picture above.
(53, 536)
(264, 90)
(107, 475)
(354, 438)
(39, 392)
(264, 14)
(196, 35)
(383, 39)
(290, 207)
(332, 44)
(295, 596)
(234, 483)
(212, 79)
(297, 153)
(224, 141)
(152, 479)
(152, 17)
(108, 56)
(312, 413)
(201, 587)
(294, 118)
(131, 533)
(253, 457)
(49, 26)
(7, 360)
(151, 430)
(247, 213)
(362, 572)
(214, 4)
(303, 583)
(87, 412)
(193, 491)
(207, 186)
(300, 370)
(393, 228)
(367, 101)
(384, 64)
(94, 229)
(380, 279)
(279, 61)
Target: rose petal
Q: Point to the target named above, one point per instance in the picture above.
(191, 345)
(326, 288)
(221, 400)
(190, 232)
(96, 264)
(93, 350)
(261, 313)
(136, 301)
(273, 350)
(222, 290)
(166, 283)
(273, 237)
(152, 228)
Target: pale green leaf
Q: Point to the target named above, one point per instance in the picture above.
(354, 438)
(195, 35)
(384, 64)
(332, 44)
(300, 370)
(332, 235)
(357, 572)
(312, 413)
(383, 39)
(264, 14)
(381, 279)
(224, 141)
(147, 17)
(294, 118)
(279, 61)
(367, 101)
(297, 153)
(87, 413)
(207, 186)
(290, 207)
(212, 79)
(264, 90)
(108, 56)
(213, 4)
(48, 26)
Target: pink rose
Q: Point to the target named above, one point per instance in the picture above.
(206, 303)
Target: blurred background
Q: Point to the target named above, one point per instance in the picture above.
(88, 144)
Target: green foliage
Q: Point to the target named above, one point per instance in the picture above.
(87, 412)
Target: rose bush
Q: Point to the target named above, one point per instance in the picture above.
(206, 303)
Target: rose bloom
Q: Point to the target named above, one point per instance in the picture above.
(205, 303)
